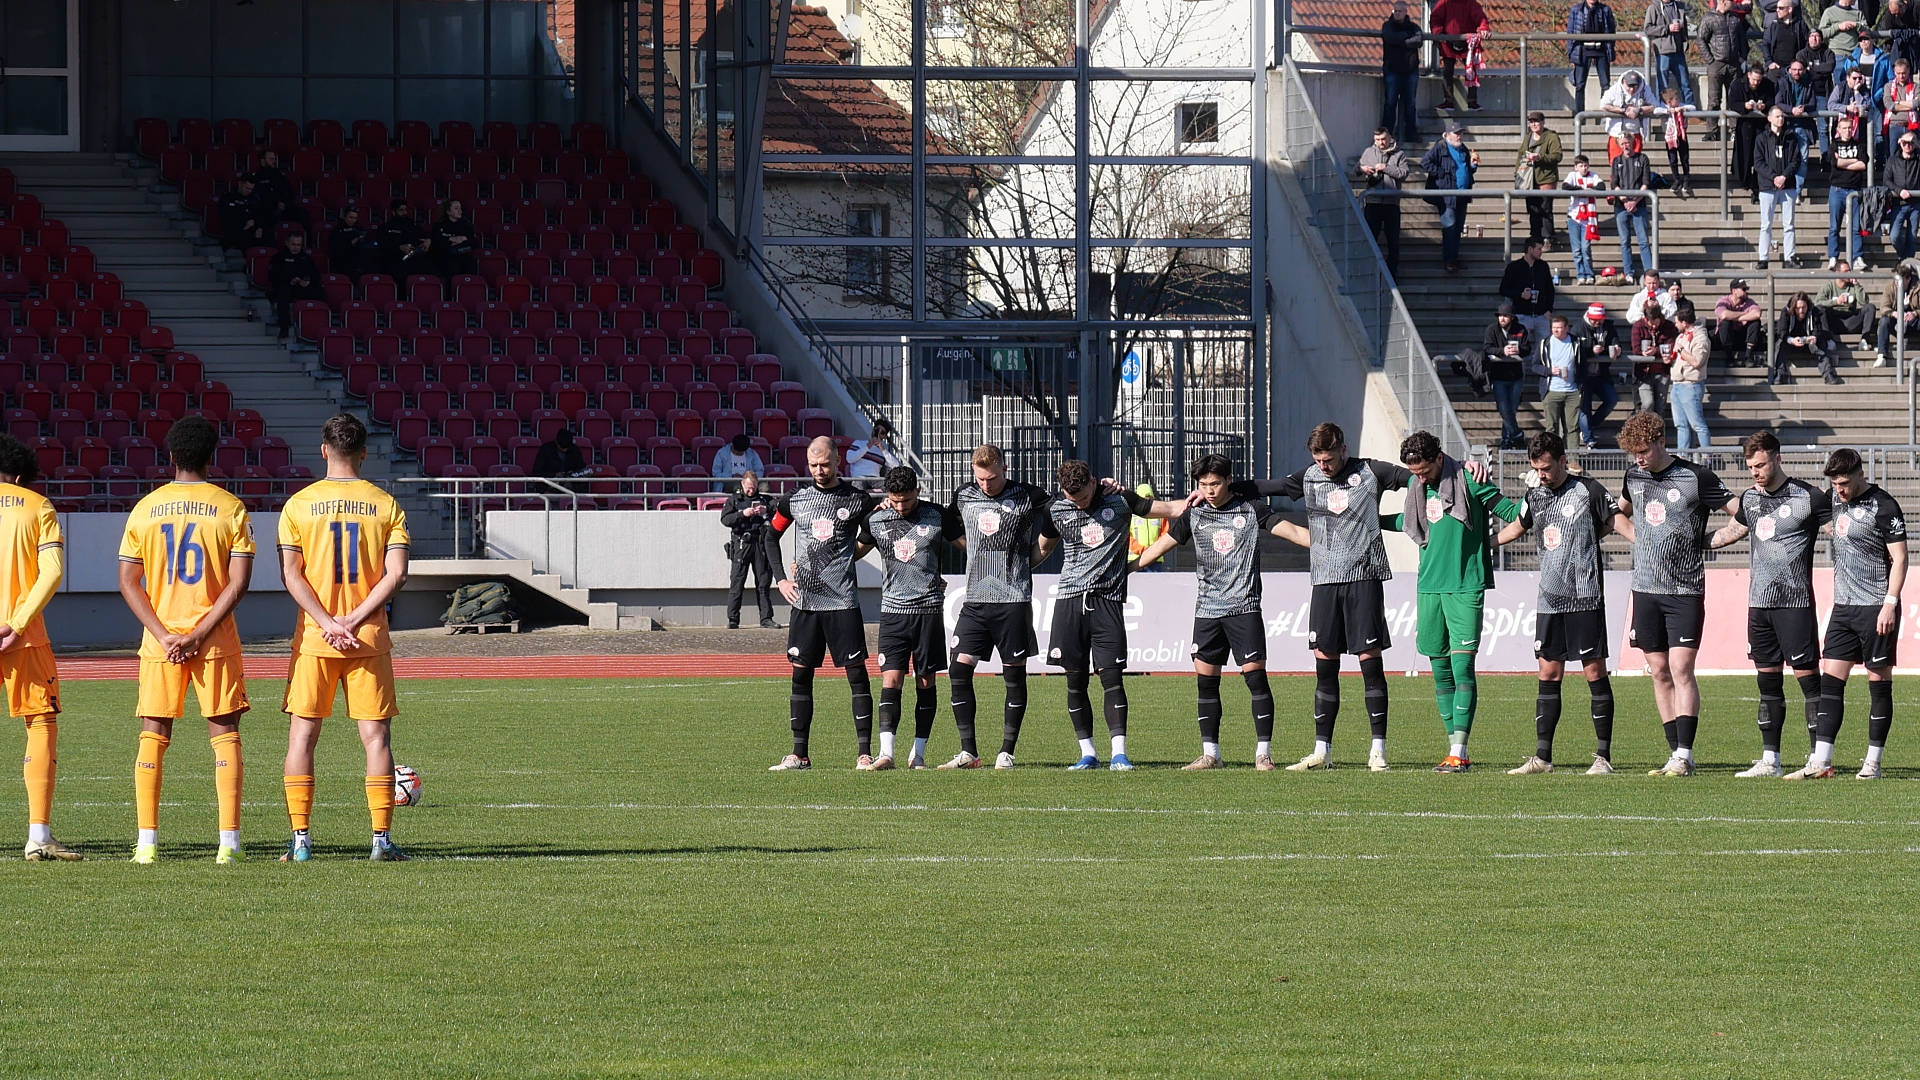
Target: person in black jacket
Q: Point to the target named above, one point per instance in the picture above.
(1400, 71)
(1785, 36)
(292, 276)
(1777, 159)
(453, 240)
(348, 246)
(275, 190)
(242, 223)
(1751, 98)
(558, 456)
(1504, 350)
(1528, 284)
(1903, 181)
(1599, 342)
(401, 238)
(1589, 17)
(1797, 337)
(747, 513)
(1723, 42)
(1632, 215)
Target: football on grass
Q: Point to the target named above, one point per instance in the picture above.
(406, 786)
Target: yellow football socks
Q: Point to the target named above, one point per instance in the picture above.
(299, 801)
(226, 778)
(43, 732)
(146, 779)
(380, 801)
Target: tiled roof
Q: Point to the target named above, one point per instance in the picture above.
(560, 17)
(1504, 16)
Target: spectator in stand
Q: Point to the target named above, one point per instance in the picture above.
(559, 457)
(1852, 97)
(1590, 17)
(349, 245)
(1384, 167)
(1557, 362)
(420, 260)
(1599, 348)
(1666, 28)
(1583, 218)
(1504, 350)
(1652, 291)
(1630, 104)
(1651, 345)
(1841, 24)
(453, 239)
(1794, 96)
(1450, 165)
(1400, 70)
(1869, 57)
(1737, 326)
(1755, 96)
(400, 238)
(1899, 15)
(1785, 36)
(1903, 203)
(748, 514)
(1797, 336)
(1527, 283)
(1456, 17)
(1777, 158)
(275, 190)
(242, 223)
(1899, 104)
(292, 276)
(1819, 59)
(1689, 375)
(737, 458)
(1538, 166)
(1899, 308)
(1846, 180)
(873, 456)
(1845, 310)
(1673, 133)
(1723, 43)
(1632, 214)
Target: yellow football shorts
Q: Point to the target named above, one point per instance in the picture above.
(33, 686)
(217, 682)
(369, 681)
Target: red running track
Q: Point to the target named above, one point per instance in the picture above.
(698, 665)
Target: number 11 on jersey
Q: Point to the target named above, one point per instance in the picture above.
(346, 556)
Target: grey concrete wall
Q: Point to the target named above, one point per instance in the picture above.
(625, 550)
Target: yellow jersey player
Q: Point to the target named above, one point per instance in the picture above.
(343, 554)
(185, 562)
(32, 560)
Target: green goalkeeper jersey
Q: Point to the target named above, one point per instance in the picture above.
(1458, 556)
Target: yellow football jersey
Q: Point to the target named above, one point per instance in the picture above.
(343, 529)
(27, 525)
(183, 536)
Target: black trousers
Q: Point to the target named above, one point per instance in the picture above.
(750, 553)
(1384, 220)
(283, 302)
(1735, 337)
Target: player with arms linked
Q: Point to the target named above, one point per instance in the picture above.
(910, 536)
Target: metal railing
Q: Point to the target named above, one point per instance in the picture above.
(1725, 141)
(1398, 351)
(1524, 37)
(1507, 195)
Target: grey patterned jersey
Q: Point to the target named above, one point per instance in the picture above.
(910, 548)
(1226, 554)
(1093, 542)
(1862, 529)
(1343, 514)
(999, 540)
(1782, 525)
(1670, 510)
(825, 523)
(1570, 521)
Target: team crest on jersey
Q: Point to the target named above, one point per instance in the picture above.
(1842, 525)
(1786, 512)
(1091, 534)
(904, 549)
(841, 513)
(1550, 537)
(1337, 501)
(822, 529)
(923, 530)
(1673, 495)
(1008, 506)
(1223, 541)
(1764, 528)
(1571, 509)
(1435, 508)
(1239, 521)
(1354, 480)
(1656, 513)
(1107, 514)
(989, 523)
(1859, 513)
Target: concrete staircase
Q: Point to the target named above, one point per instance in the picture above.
(110, 204)
(1453, 311)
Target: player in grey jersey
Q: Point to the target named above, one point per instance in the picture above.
(825, 519)
(1224, 530)
(910, 536)
(1781, 517)
(1571, 515)
(1089, 629)
(1869, 570)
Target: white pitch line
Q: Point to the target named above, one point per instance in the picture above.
(1284, 856)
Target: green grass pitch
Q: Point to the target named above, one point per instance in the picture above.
(608, 883)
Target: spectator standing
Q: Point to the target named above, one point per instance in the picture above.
(558, 456)
(1737, 326)
(1820, 60)
(1599, 348)
(1457, 17)
(1794, 96)
(1557, 362)
(1723, 44)
(1583, 218)
(1632, 214)
(1505, 348)
(1384, 167)
(274, 188)
(1797, 337)
(1846, 180)
(1903, 185)
(292, 276)
(1689, 375)
(871, 457)
(1537, 165)
(1755, 96)
(1651, 293)
(1845, 310)
(242, 223)
(1630, 104)
(738, 458)
(400, 238)
(1853, 99)
(1673, 133)
(1869, 57)
(1899, 307)
(1400, 39)
(1899, 103)
(1651, 343)
(1666, 27)
(1785, 36)
(1527, 283)
(347, 246)
(1842, 24)
(1590, 17)
(1450, 164)
(747, 515)
(453, 240)
(1899, 15)
(1777, 158)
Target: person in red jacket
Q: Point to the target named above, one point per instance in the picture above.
(1456, 17)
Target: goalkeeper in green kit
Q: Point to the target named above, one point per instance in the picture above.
(1448, 514)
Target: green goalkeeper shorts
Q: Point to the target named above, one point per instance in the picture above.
(1449, 622)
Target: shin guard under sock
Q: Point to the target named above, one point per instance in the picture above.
(1373, 676)
(861, 687)
(1810, 696)
(800, 709)
(961, 675)
(1443, 690)
(226, 778)
(1773, 708)
(1262, 692)
(1466, 694)
(1112, 681)
(1210, 710)
(43, 739)
(1079, 709)
(926, 705)
(1879, 711)
(1601, 691)
(1546, 718)
(1833, 708)
(890, 707)
(1015, 711)
(1326, 696)
(148, 765)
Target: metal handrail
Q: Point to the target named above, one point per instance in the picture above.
(1507, 195)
